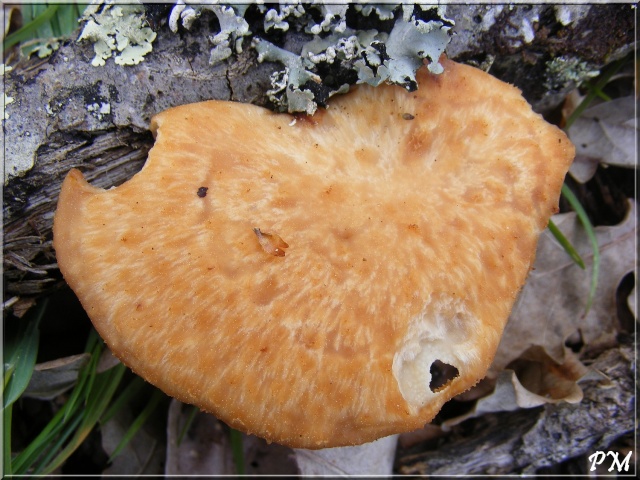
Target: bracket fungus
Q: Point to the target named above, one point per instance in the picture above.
(407, 243)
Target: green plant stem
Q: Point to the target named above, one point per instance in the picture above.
(566, 244)
(192, 416)
(588, 227)
(237, 451)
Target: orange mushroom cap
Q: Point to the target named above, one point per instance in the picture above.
(301, 280)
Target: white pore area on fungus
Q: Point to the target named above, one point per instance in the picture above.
(441, 331)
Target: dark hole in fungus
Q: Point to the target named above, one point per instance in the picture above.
(408, 116)
(202, 192)
(441, 374)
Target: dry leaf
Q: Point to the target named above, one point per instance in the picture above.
(604, 133)
(374, 458)
(204, 449)
(107, 360)
(541, 376)
(530, 381)
(22, 305)
(552, 304)
(50, 379)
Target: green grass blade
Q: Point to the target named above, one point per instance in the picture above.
(100, 396)
(68, 18)
(92, 340)
(237, 451)
(29, 30)
(86, 375)
(192, 416)
(27, 13)
(591, 234)
(156, 397)
(7, 416)
(20, 354)
(68, 413)
(129, 392)
(46, 29)
(600, 94)
(54, 446)
(566, 244)
(25, 459)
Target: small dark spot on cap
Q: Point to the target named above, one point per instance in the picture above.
(202, 192)
(408, 116)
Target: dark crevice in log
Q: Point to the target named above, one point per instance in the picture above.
(106, 158)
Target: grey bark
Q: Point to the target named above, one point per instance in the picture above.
(53, 124)
(528, 441)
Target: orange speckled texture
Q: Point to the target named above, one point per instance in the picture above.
(393, 225)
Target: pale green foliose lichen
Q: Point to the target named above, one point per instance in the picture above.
(47, 48)
(276, 19)
(333, 20)
(415, 35)
(233, 26)
(120, 31)
(384, 11)
(284, 83)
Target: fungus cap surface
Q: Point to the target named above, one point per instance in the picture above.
(301, 280)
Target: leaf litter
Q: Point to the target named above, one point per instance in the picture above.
(533, 365)
(605, 133)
